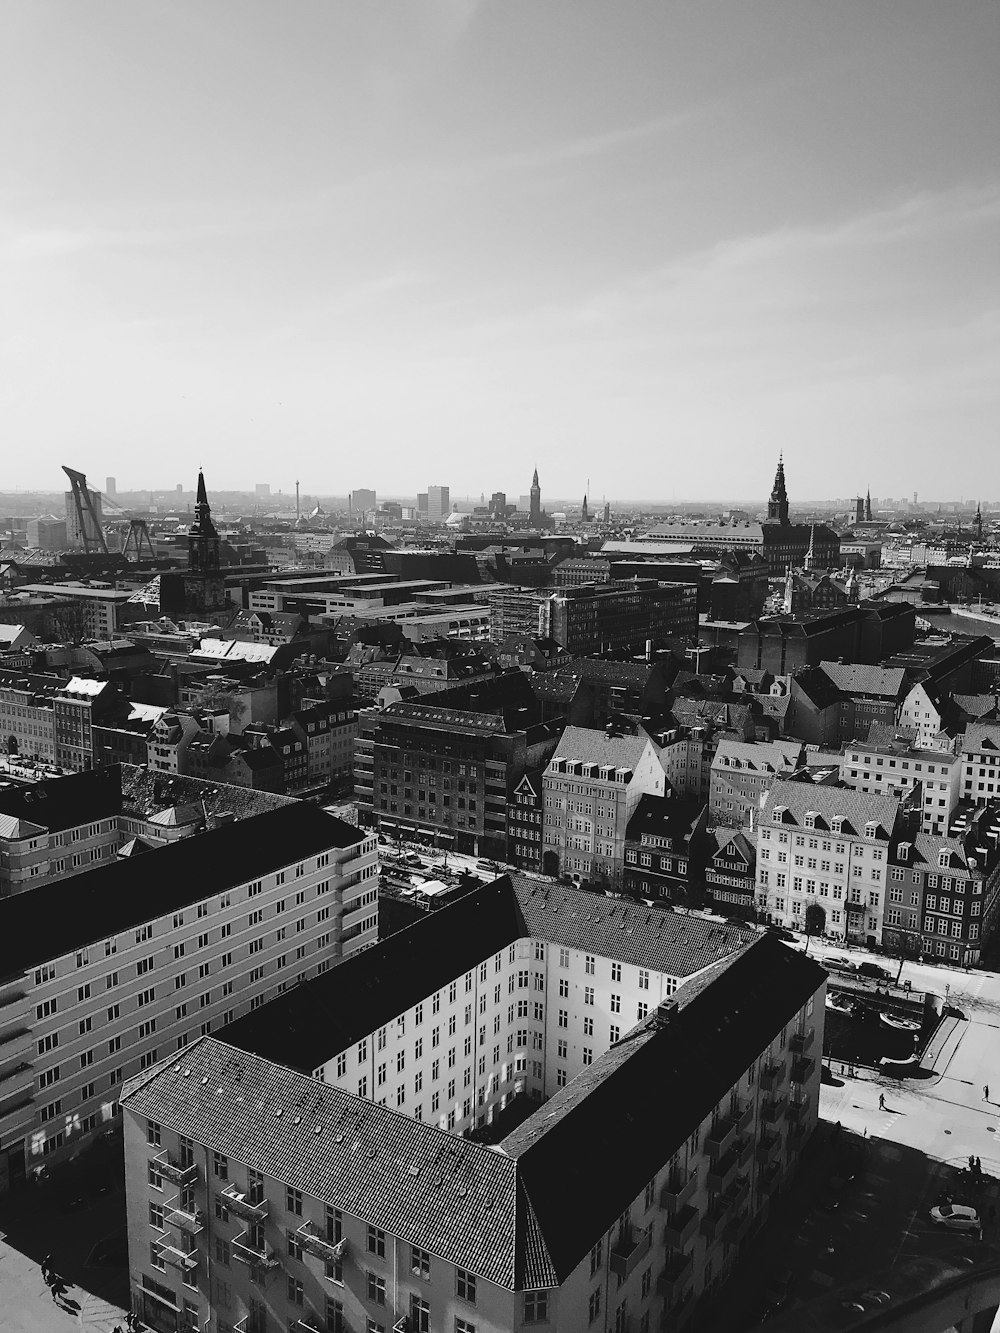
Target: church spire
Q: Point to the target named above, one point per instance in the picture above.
(868, 507)
(777, 507)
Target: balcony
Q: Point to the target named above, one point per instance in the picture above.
(722, 1174)
(802, 1068)
(316, 1244)
(252, 1206)
(310, 1323)
(185, 1260)
(721, 1136)
(681, 1226)
(189, 1220)
(770, 1142)
(627, 1252)
(249, 1250)
(772, 1075)
(676, 1192)
(797, 1112)
(801, 1041)
(675, 1278)
(174, 1171)
(772, 1109)
(744, 1118)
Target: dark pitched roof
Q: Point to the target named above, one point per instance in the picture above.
(66, 802)
(60, 917)
(656, 1076)
(309, 1023)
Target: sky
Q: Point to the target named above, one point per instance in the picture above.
(644, 246)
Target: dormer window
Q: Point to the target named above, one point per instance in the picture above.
(778, 813)
(871, 829)
(944, 859)
(837, 823)
(903, 851)
(810, 819)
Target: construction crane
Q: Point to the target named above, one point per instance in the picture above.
(91, 532)
(138, 537)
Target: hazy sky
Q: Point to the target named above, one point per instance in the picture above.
(442, 241)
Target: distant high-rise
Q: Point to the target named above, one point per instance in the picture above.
(438, 502)
(777, 506)
(536, 500)
(422, 503)
(110, 487)
(362, 500)
(607, 511)
(859, 510)
(262, 489)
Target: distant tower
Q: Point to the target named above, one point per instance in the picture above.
(810, 560)
(584, 512)
(777, 506)
(203, 540)
(298, 511)
(607, 511)
(851, 587)
(979, 523)
(536, 500)
(868, 507)
(859, 510)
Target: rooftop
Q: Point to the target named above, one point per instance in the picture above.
(857, 808)
(62, 916)
(522, 1215)
(317, 1019)
(597, 747)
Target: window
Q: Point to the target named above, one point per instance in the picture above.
(536, 1307)
(588, 995)
(293, 1201)
(376, 1288)
(420, 1315)
(420, 1262)
(594, 1305)
(376, 1242)
(465, 1285)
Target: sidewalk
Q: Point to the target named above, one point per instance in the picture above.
(28, 1306)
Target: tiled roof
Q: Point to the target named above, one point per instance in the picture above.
(858, 808)
(522, 1215)
(854, 678)
(61, 916)
(455, 1198)
(596, 747)
(761, 756)
(981, 736)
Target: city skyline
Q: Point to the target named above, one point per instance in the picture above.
(651, 246)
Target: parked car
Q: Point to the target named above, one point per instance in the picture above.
(874, 970)
(956, 1217)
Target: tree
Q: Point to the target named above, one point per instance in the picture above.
(12, 746)
(214, 699)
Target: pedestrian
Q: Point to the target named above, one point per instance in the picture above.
(57, 1286)
(47, 1268)
(881, 1101)
(986, 1092)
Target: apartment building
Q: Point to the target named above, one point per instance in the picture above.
(57, 827)
(923, 710)
(328, 730)
(590, 790)
(826, 851)
(99, 981)
(944, 893)
(449, 772)
(667, 844)
(319, 1207)
(869, 694)
(524, 823)
(27, 719)
(742, 773)
(981, 762)
(898, 765)
(623, 614)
